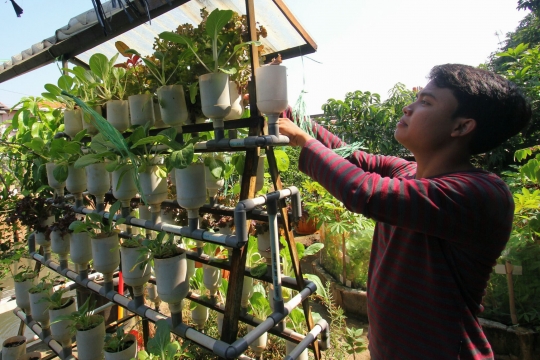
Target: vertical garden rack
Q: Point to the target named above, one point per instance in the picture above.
(237, 264)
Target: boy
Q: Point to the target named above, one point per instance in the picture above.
(441, 223)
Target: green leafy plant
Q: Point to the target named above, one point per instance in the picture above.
(162, 247)
(30, 211)
(44, 286)
(83, 318)
(55, 300)
(110, 81)
(161, 347)
(260, 307)
(118, 340)
(54, 92)
(214, 25)
(97, 225)
(25, 273)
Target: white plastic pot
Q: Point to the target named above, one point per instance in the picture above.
(172, 104)
(141, 109)
(40, 310)
(135, 277)
(41, 239)
(87, 120)
(126, 188)
(118, 114)
(271, 84)
(211, 278)
(171, 278)
(76, 180)
(258, 345)
(191, 188)
(55, 184)
(60, 331)
(289, 346)
(236, 102)
(106, 253)
(13, 348)
(80, 249)
(215, 96)
(126, 354)
(22, 296)
(73, 122)
(98, 180)
(199, 315)
(60, 244)
(90, 342)
(153, 187)
(263, 244)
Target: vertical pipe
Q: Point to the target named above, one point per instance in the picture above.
(274, 247)
(511, 298)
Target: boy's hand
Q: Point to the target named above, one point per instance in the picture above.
(297, 136)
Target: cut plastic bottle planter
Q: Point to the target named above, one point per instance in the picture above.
(76, 182)
(141, 109)
(73, 122)
(55, 184)
(172, 105)
(118, 114)
(172, 283)
(126, 189)
(271, 83)
(98, 182)
(215, 100)
(191, 191)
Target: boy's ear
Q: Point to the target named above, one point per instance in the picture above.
(463, 126)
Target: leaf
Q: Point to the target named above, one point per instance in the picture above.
(99, 65)
(282, 160)
(65, 82)
(161, 339)
(122, 47)
(86, 160)
(180, 159)
(53, 89)
(176, 38)
(313, 249)
(216, 21)
(60, 173)
(259, 270)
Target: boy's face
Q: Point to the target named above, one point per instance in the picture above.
(427, 123)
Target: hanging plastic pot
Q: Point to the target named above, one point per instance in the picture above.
(118, 114)
(73, 122)
(141, 109)
(172, 104)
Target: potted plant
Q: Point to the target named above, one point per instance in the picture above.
(136, 270)
(260, 308)
(211, 274)
(104, 240)
(170, 266)
(59, 306)
(171, 98)
(25, 278)
(160, 346)
(214, 86)
(199, 313)
(295, 321)
(120, 345)
(13, 347)
(60, 233)
(89, 329)
(110, 84)
(72, 113)
(39, 308)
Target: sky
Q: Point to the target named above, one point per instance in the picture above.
(367, 45)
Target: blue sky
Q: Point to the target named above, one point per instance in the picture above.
(366, 45)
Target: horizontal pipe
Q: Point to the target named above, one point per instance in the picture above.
(36, 328)
(237, 144)
(308, 339)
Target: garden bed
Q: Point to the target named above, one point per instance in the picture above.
(512, 343)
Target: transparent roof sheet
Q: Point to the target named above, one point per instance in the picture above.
(282, 35)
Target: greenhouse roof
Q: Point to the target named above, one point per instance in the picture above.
(84, 35)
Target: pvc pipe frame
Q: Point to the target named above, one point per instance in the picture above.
(36, 328)
(220, 348)
(224, 144)
(234, 241)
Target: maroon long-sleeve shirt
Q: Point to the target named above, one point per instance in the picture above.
(434, 247)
